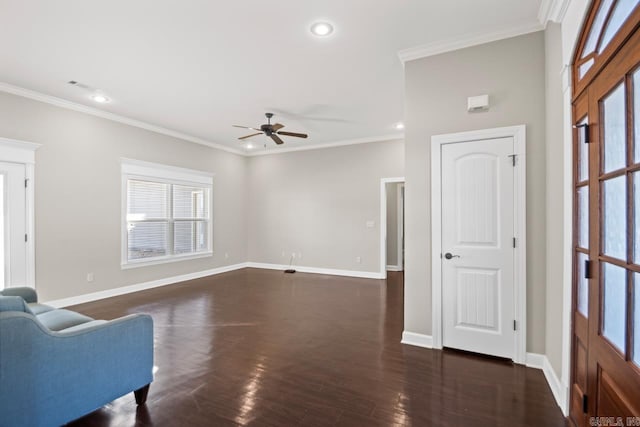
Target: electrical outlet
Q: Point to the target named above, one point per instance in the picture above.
(358, 259)
(226, 255)
(89, 277)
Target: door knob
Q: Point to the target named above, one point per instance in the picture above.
(448, 255)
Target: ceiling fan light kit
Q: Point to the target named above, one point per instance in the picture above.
(271, 130)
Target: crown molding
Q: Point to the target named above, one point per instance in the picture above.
(63, 103)
(552, 10)
(289, 149)
(466, 40)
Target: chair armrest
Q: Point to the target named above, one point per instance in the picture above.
(27, 294)
(13, 303)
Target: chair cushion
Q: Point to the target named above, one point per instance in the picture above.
(57, 320)
(39, 308)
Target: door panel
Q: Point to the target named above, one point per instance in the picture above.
(477, 230)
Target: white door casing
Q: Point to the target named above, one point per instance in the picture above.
(14, 224)
(478, 209)
(400, 246)
(17, 166)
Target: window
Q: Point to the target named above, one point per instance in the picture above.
(608, 19)
(166, 213)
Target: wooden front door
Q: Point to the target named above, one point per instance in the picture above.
(606, 297)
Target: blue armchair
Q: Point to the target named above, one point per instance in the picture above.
(57, 365)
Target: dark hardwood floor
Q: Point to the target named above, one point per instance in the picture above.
(264, 348)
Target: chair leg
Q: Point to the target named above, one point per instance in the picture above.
(141, 394)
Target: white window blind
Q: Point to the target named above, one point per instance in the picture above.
(167, 216)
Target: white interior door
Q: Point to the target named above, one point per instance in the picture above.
(13, 229)
(478, 305)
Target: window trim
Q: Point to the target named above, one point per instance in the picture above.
(142, 170)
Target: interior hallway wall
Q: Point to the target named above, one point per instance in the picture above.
(512, 72)
(555, 197)
(317, 204)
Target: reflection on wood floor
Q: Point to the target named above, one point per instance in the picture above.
(259, 347)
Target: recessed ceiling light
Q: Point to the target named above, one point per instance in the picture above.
(249, 146)
(400, 126)
(98, 97)
(321, 29)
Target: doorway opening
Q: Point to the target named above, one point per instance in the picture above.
(391, 225)
(395, 226)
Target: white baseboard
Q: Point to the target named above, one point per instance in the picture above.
(81, 299)
(560, 391)
(394, 268)
(535, 360)
(418, 340)
(317, 270)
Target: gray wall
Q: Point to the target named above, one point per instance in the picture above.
(555, 198)
(392, 223)
(78, 196)
(316, 203)
(512, 72)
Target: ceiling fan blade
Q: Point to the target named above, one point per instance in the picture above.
(249, 136)
(276, 139)
(297, 135)
(277, 126)
(246, 127)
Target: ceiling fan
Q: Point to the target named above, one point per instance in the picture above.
(272, 131)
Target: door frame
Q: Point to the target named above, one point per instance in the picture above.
(400, 245)
(518, 133)
(383, 222)
(23, 152)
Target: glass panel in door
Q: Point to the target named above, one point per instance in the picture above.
(614, 228)
(583, 285)
(636, 319)
(583, 217)
(613, 112)
(614, 305)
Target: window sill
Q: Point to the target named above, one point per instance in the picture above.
(163, 260)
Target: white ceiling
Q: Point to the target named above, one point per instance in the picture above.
(199, 66)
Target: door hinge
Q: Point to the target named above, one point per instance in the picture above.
(585, 132)
(25, 238)
(26, 182)
(585, 403)
(587, 269)
(513, 159)
(515, 325)
(514, 242)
